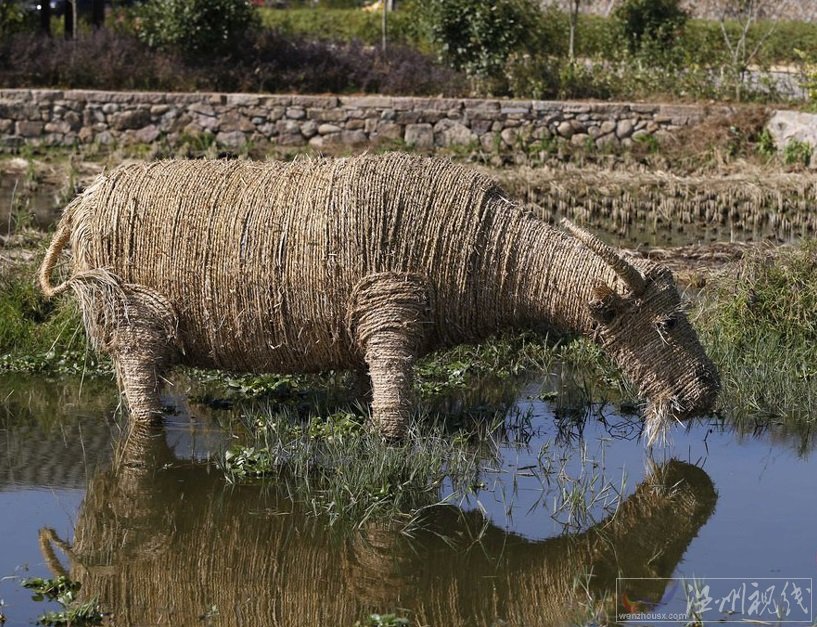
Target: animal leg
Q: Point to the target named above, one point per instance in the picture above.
(388, 320)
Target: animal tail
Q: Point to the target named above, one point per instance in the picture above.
(65, 229)
(61, 238)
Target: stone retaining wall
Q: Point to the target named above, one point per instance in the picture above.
(53, 117)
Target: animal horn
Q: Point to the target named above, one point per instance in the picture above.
(632, 277)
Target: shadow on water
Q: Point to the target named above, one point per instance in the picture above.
(162, 540)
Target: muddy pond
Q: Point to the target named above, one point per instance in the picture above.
(719, 521)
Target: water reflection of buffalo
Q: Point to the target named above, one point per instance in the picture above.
(168, 542)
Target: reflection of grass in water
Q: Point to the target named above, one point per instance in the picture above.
(347, 473)
(760, 327)
(51, 404)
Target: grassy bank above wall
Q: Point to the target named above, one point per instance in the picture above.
(701, 42)
(320, 50)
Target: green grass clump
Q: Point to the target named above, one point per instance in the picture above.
(346, 473)
(760, 327)
(37, 335)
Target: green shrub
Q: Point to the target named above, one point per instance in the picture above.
(797, 152)
(477, 36)
(532, 76)
(13, 19)
(765, 144)
(809, 74)
(653, 23)
(201, 28)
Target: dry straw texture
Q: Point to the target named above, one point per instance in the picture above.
(366, 262)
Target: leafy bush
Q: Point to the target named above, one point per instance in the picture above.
(196, 27)
(477, 36)
(99, 61)
(347, 25)
(272, 62)
(654, 23)
(797, 152)
(13, 18)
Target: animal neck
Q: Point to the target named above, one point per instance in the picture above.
(546, 277)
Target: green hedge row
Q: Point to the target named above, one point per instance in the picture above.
(701, 43)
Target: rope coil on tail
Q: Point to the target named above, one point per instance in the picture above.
(56, 247)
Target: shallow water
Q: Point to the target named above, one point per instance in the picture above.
(169, 541)
(39, 208)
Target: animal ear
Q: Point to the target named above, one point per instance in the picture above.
(605, 304)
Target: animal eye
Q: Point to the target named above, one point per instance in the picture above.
(667, 324)
(607, 314)
(602, 311)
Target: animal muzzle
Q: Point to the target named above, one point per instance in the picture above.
(697, 395)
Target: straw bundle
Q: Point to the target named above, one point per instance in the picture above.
(335, 264)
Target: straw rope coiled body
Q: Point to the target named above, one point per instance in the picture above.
(318, 264)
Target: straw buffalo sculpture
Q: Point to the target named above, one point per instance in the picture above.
(364, 262)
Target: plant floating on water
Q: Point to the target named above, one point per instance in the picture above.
(64, 591)
(248, 462)
(85, 614)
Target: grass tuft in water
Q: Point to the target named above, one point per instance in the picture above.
(345, 472)
(759, 327)
(503, 357)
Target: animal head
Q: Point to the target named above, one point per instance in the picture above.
(640, 322)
